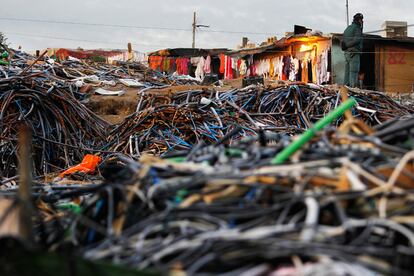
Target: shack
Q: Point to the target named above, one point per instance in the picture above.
(194, 62)
(387, 63)
(300, 57)
(98, 55)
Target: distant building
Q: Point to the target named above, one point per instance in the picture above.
(395, 29)
(99, 55)
(387, 63)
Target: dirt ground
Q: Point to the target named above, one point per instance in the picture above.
(114, 109)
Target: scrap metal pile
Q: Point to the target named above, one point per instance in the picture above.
(45, 95)
(75, 73)
(342, 205)
(63, 129)
(293, 180)
(168, 123)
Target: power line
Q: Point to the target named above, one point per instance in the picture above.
(90, 24)
(383, 30)
(82, 40)
(150, 27)
(126, 26)
(98, 41)
(129, 26)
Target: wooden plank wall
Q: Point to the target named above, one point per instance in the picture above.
(397, 72)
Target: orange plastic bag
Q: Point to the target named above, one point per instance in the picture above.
(88, 165)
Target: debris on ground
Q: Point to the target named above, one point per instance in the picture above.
(285, 179)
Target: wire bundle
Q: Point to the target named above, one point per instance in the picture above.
(348, 208)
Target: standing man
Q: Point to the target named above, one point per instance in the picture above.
(352, 45)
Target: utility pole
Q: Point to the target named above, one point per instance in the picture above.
(25, 183)
(195, 26)
(347, 13)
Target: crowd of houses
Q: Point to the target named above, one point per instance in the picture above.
(387, 61)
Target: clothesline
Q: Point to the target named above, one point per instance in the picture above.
(305, 66)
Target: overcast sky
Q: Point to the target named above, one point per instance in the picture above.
(167, 23)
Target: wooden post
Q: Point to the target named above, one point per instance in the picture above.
(130, 54)
(25, 184)
(194, 29)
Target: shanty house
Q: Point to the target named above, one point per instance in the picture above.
(387, 64)
(188, 61)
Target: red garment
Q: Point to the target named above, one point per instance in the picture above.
(182, 66)
(88, 165)
(229, 69)
(178, 66)
(151, 61)
(155, 62)
(162, 62)
(171, 65)
(253, 68)
(185, 65)
(222, 64)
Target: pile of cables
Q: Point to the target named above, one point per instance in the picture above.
(298, 104)
(45, 95)
(63, 129)
(169, 128)
(166, 123)
(343, 205)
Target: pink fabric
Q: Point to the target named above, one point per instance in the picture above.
(228, 73)
(207, 65)
(182, 66)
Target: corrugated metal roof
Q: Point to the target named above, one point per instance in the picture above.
(189, 52)
(281, 43)
(409, 40)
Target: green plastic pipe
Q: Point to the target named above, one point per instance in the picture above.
(310, 133)
(71, 207)
(2, 62)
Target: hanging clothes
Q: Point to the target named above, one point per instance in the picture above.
(222, 63)
(234, 62)
(271, 68)
(314, 64)
(172, 68)
(178, 66)
(207, 65)
(278, 65)
(228, 73)
(286, 67)
(324, 75)
(310, 73)
(254, 69)
(182, 65)
(215, 66)
(199, 72)
(194, 61)
(243, 68)
(294, 67)
(155, 62)
(162, 60)
(318, 70)
(305, 77)
(299, 73)
(166, 64)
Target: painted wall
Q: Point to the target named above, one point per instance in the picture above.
(399, 69)
(338, 63)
